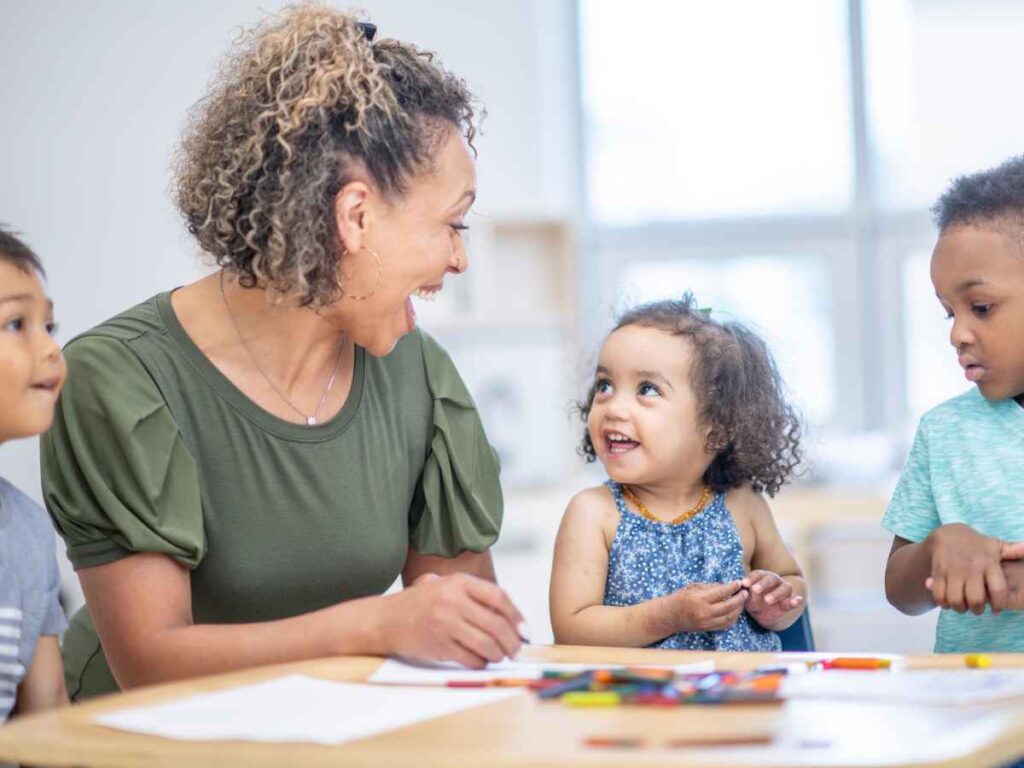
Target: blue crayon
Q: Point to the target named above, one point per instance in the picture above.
(580, 683)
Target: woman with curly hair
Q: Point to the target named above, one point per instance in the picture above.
(678, 549)
(241, 467)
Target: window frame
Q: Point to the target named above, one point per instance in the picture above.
(864, 248)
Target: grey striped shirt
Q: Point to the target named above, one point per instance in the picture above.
(29, 583)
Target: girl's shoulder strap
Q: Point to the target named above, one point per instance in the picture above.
(616, 489)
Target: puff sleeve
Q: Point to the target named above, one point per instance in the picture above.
(117, 477)
(459, 504)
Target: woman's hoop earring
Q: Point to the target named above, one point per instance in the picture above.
(380, 275)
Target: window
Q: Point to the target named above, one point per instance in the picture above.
(700, 109)
(943, 78)
(779, 159)
(933, 374)
(785, 299)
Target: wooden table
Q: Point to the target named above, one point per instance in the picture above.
(524, 731)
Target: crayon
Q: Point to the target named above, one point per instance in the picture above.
(578, 683)
(978, 660)
(638, 674)
(735, 739)
(654, 699)
(500, 682)
(841, 662)
(623, 742)
(592, 699)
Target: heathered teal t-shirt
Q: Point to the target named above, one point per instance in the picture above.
(965, 467)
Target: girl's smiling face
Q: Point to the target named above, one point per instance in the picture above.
(643, 421)
(978, 274)
(32, 368)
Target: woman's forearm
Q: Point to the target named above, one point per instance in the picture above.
(174, 653)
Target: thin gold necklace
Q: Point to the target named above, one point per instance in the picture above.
(705, 497)
(311, 419)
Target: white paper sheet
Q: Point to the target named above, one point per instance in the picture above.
(396, 671)
(298, 708)
(955, 687)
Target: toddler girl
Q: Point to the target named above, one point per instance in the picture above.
(678, 549)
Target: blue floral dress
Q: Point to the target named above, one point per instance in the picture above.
(649, 559)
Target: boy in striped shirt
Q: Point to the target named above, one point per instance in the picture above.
(31, 375)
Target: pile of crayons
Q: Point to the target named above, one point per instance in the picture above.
(644, 687)
(659, 688)
(664, 687)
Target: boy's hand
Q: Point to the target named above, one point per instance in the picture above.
(1014, 572)
(708, 607)
(967, 571)
(771, 597)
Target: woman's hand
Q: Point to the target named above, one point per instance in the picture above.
(707, 607)
(456, 617)
(771, 597)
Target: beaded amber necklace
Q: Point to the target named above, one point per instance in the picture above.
(705, 497)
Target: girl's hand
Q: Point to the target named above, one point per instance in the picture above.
(707, 607)
(457, 617)
(771, 597)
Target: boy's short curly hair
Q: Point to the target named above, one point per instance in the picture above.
(14, 251)
(305, 101)
(755, 433)
(995, 194)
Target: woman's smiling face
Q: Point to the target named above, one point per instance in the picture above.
(417, 238)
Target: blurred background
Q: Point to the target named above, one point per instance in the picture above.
(778, 159)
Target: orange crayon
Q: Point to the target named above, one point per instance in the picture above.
(853, 662)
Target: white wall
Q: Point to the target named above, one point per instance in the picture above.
(95, 95)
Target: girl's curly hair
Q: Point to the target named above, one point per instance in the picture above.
(755, 432)
(305, 100)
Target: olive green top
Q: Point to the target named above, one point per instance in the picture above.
(152, 449)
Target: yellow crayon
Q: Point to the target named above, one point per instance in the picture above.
(978, 660)
(592, 699)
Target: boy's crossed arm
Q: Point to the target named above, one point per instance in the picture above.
(955, 567)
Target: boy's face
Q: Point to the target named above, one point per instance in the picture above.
(32, 367)
(643, 421)
(978, 274)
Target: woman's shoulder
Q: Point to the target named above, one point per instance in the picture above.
(113, 346)
(142, 319)
(419, 356)
(120, 370)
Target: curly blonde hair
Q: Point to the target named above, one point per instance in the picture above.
(305, 99)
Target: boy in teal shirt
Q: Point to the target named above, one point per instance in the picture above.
(957, 514)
